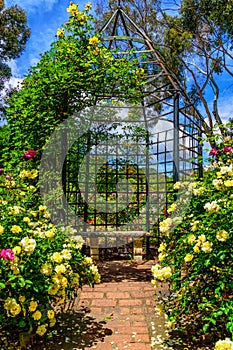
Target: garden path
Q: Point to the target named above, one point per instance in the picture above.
(124, 301)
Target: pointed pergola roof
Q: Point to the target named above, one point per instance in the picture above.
(121, 32)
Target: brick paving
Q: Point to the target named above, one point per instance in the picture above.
(125, 301)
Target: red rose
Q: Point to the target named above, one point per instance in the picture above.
(29, 154)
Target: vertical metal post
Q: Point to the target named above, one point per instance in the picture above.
(64, 150)
(176, 165)
(200, 152)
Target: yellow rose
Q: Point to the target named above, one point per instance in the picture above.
(64, 282)
(16, 229)
(206, 247)
(26, 219)
(50, 314)
(52, 322)
(41, 330)
(88, 6)
(37, 315)
(33, 305)
(60, 269)
(162, 256)
(60, 33)
(42, 207)
(15, 309)
(228, 183)
(72, 9)
(222, 235)
(66, 254)
(188, 258)
(57, 257)
(46, 269)
(159, 310)
(32, 174)
(191, 239)
(53, 290)
(17, 250)
(22, 298)
(171, 208)
(93, 41)
(1, 229)
(226, 344)
(196, 248)
(23, 174)
(162, 247)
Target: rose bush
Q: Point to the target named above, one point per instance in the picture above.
(40, 265)
(78, 71)
(195, 255)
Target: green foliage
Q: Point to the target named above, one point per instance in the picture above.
(75, 73)
(13, 31)
(198, 251)
(13, 36)
(217, 14)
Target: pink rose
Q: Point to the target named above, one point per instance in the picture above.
(7, 254)
(29, 154)
(213, 152)
(1, 171)
(8, 177)
(227, 149)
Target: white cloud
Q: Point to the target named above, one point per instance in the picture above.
(14, 83)
(225, 107)
(14, 68)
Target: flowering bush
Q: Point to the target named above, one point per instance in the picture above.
(196, 254)
(76, 72)
(40, 265)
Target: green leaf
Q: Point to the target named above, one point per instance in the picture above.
(2, 285)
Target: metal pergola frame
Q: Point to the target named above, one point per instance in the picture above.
(163, 89)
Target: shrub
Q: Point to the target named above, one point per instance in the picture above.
(198, 251)
(40, 264)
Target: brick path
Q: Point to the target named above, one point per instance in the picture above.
(125, 301)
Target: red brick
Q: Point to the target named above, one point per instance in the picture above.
(118, 338)
(133, 346)
(138, 311)
(138, 317)
(122, 330)
(140, 330)
(96, 310)
(116, 323)
(118, 295)
(103, 346)
(132, 302)
(103, 302)
(92, 295)
(124, 310)
(150, 303)
(84, 302)
(142, 338)
(142, 294)
(138, 324)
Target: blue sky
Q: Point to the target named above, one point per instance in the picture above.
(44, 18)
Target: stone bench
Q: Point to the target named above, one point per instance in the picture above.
(136, 237)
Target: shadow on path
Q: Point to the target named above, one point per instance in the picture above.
(123, 271)
(73, 330)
